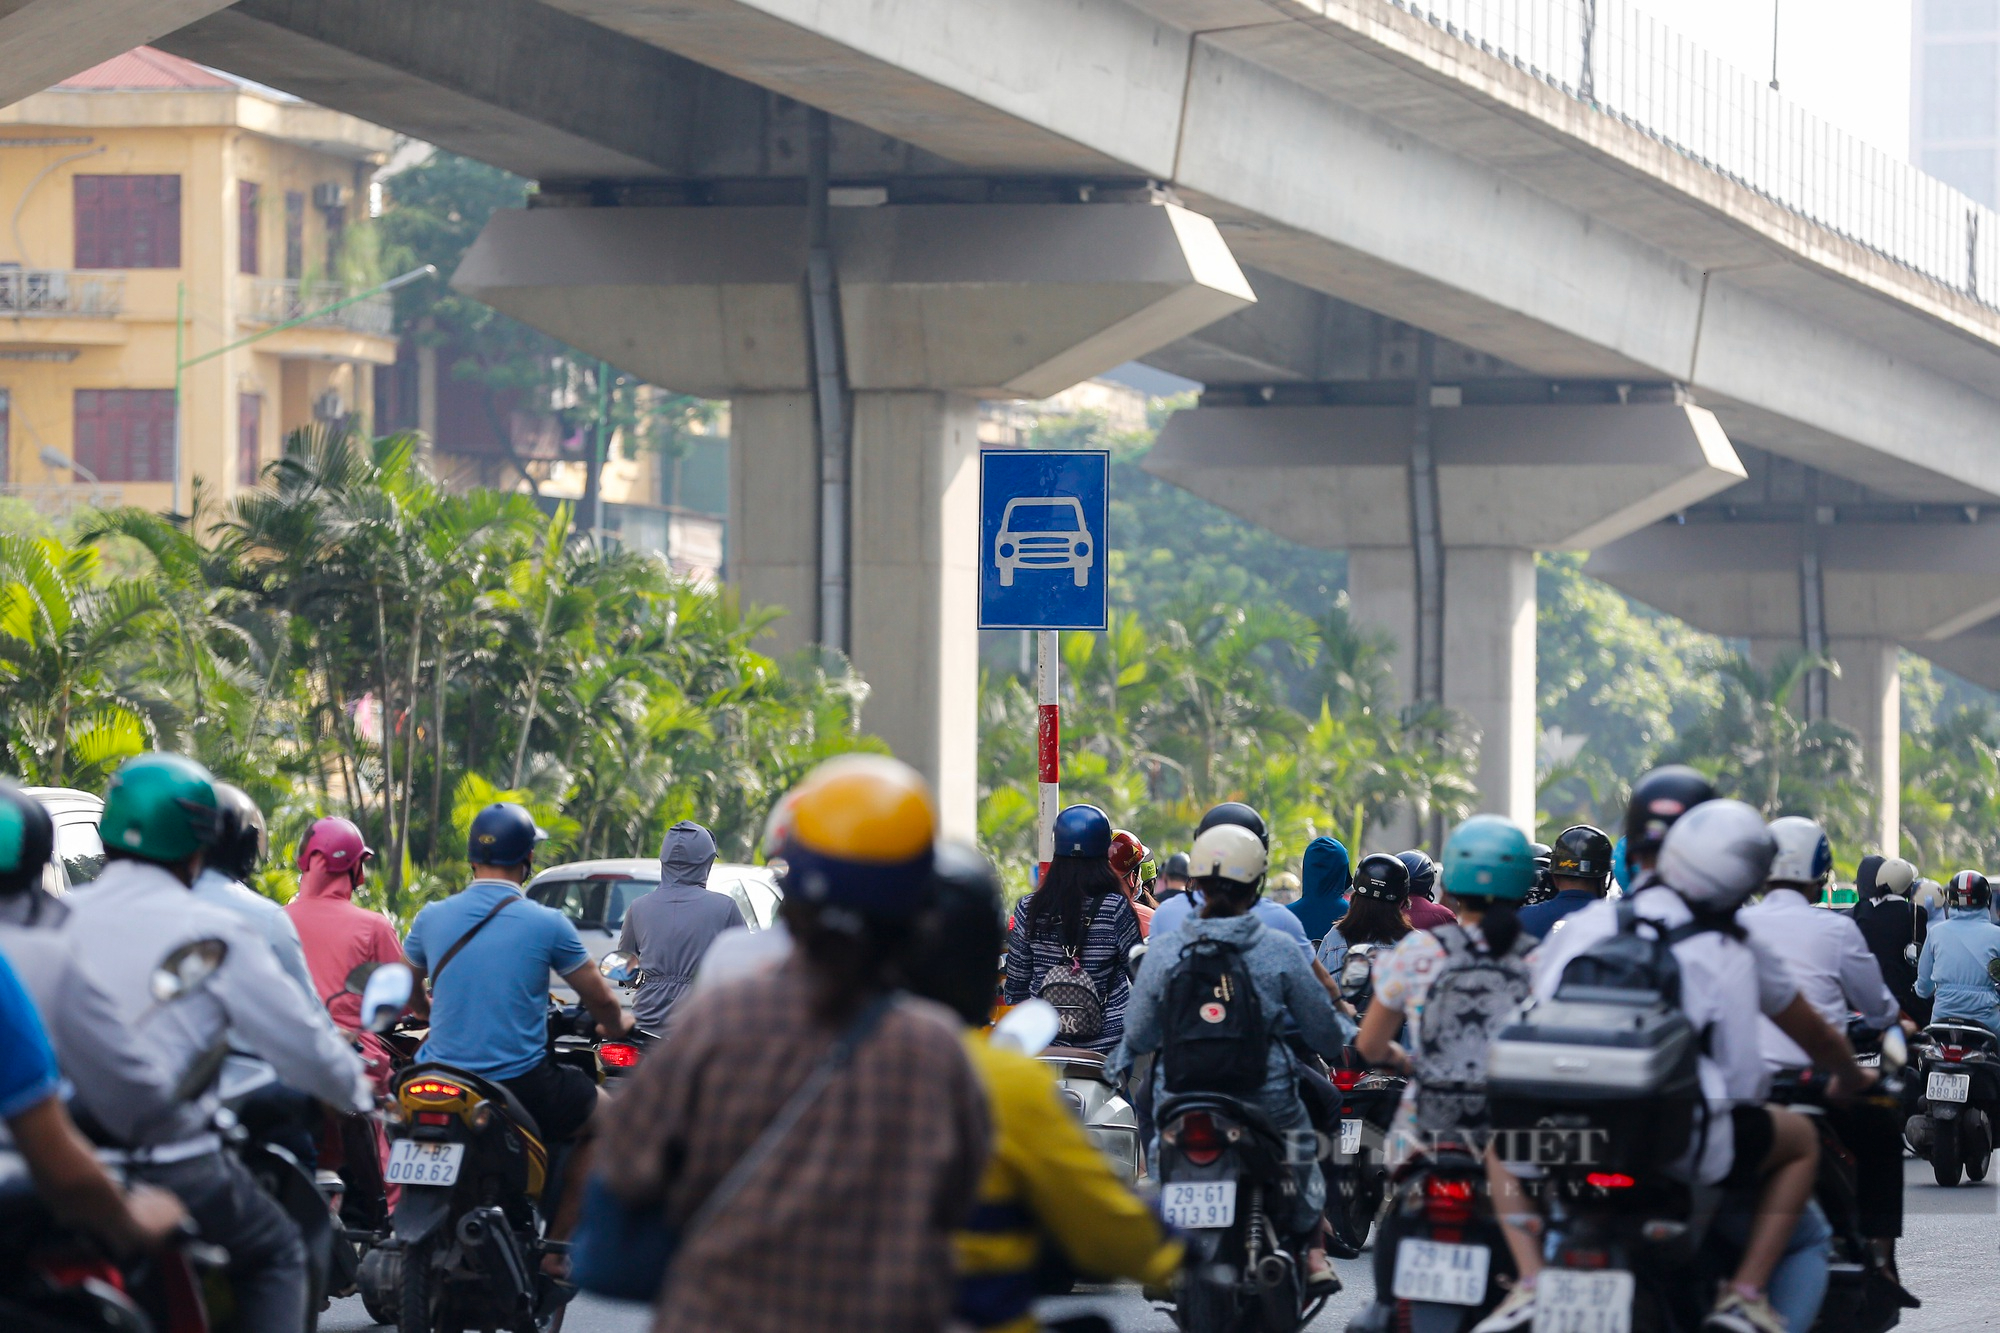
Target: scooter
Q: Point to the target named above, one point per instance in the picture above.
(1959, 1064)
(1108, 1118)
(1440, 1258)
(1359, 1179)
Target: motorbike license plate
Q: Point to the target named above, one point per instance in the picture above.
(413, 1163)
(1568, 1300)
(1350, 1137)
(1947, 1087)
(1429, 1270)
(1199, 1205)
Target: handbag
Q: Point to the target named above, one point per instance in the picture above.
(623, 1250)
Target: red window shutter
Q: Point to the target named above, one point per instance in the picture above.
(125, 434)
(295, 233)
(249, 430)
(128, 221)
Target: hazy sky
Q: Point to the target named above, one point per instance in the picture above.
(1847, 61)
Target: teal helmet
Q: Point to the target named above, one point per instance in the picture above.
(160, 807)
(1488, 856)
(1621, 872)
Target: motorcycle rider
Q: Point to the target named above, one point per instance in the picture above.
(1173, 878)
(1375, 910)
(1954, 969)
(1229, 864)
(1837, 975)
(1324, 876)
(669, 928)
(231, 859)
(1422, 907)
(160, 816)
(1698, 860)
(1129, 857)
(1580, 868)
(1893, 926)
(339, 936)
(67, 1175)
(1076, 919)
(489, 1016)
(1046, 1182)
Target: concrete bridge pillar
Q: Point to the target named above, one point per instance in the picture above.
(939, 306)
(1867, 698)
(1512, 480)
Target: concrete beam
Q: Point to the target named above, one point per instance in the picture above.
(1336, 477)
(1973, 655)
(996, 300)
(1901, 582)
(46, 41)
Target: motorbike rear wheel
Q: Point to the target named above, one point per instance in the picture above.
(1207, 1307)
(418, 1291)
(1945, 1151)
(1977, 1150)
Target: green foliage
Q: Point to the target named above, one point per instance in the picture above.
(351, 639)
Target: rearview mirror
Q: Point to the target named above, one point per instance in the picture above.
(385, 995)
(1895, 1049)
(1029, 1027)
(357, 980)
(187, 969)
(619, 968)
(1133, 960)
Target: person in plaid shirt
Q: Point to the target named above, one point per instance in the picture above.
(847, 1226)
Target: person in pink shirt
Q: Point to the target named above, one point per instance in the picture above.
(1424, 914)
(1127, 855)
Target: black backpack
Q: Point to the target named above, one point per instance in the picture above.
(1214, 1034)
(1633, 963)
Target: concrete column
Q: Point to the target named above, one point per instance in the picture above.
(1382, 596)
(1867, 695)
(773, 552)
(916, 585)
(1489, 668)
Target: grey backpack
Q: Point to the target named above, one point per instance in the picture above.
(1073, 993)
(1471, 998)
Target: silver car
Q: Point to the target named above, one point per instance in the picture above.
(79, 854)
(595, 894)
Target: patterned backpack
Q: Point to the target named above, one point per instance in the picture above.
(1073, 993)
(1470, 1000)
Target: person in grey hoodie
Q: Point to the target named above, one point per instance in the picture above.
(670, 928)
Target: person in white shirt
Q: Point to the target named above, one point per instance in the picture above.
(1837, 976)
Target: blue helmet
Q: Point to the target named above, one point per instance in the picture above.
(1488, 856)
(503, 834)
(1083, 831)
(1621, 870)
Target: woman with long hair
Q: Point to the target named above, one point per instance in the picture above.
(1377, 910)
(1072, 935)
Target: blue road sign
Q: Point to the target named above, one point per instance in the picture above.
(1042, 531)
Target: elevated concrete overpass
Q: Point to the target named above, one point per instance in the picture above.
(1421, 220)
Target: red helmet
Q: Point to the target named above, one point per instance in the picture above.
(338, 840)
(1127, 852)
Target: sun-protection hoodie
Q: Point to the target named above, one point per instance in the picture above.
(339, 937)
(672, 927)
(1323, 879)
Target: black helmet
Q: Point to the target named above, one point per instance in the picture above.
(1239, 814)
(503, 834)
(1382, 877)
(1423, 873)
(960, 935)
(1658, 799)
(27, 838)
(1968, 888)
(1176, 866)
(242, 842)
(1582, 851)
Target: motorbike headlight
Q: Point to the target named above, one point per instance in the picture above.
(1121, 1145)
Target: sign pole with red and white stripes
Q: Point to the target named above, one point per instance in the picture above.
(1048, 736)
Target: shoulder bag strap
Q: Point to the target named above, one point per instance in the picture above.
(837, 1058)
(466, 938)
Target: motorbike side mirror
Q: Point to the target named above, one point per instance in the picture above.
(1895, 1050)
(1028, 1027)
(186, 969)
(357, 980)
(386, 995)
(1133, 960)
(619, 968)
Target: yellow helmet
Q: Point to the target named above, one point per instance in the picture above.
(857, 832)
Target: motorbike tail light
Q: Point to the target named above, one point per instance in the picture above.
(434, 1117)
(1610, 1180)
(618, 1054)
(1954, 1053)
(1345, 1079)
(433, 1090)
(1200, 1141)
(1447, 1201)
(63, 1274)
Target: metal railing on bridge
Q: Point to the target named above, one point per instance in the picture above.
(1626, 63)
(281, 300)
(60, 293)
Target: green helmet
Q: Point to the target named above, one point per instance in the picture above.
(160, 807)
(1488, 857)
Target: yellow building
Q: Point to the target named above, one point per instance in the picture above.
(149, 182)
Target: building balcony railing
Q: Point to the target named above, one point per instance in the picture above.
(280, 301)
(57, 501)
(60, 293)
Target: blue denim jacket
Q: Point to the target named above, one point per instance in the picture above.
(1953, 968)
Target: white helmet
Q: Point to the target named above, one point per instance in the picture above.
(1229, 851)
(1804, 855)
(1716, 855)
(1896, 875)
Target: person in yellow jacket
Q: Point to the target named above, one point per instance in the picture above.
(1045, 1184)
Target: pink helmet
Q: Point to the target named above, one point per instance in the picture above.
(338, 840)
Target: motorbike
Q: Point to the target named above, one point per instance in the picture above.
(1440, 1259)
(479, 1187)
(1959, 1071)
(1358, 1181)
(1108, 1118)
(1224, 1173)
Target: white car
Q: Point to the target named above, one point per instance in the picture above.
(595, 894)
(79, 854)
(1043, 533)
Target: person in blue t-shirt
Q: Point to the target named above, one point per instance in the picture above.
(1580, 868)
(65, 1170)
(488, 951)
